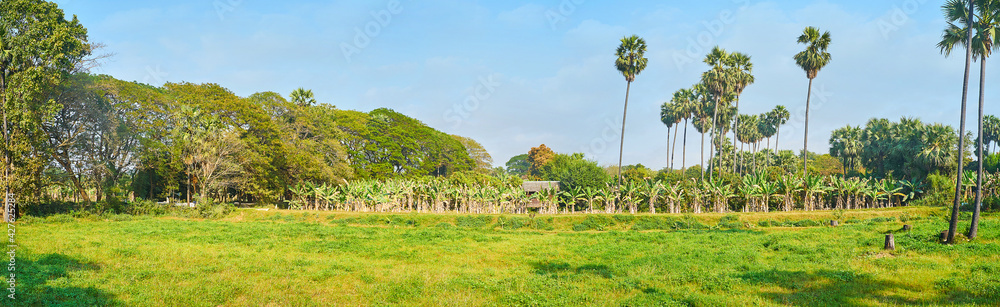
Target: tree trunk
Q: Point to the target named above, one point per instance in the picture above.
(736, 128)
(974, 225)
(668, 148)
(890, 242)
(673, 149)
(805, 139)
(684, 148)
(953, 223)
(621, 146)
(702, 166)
(714, 134)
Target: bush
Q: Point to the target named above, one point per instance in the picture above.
(512, 223)
(473, 221)
(594, 222)
(211, 210)
(654, 223)
(731, 221)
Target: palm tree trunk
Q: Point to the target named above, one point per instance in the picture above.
(974, 226)
(673, 149)
(668, 147)
(621, 146)
(684, 148)
(736, 127)
(805, 139)
(953, 223)
(702, 166)
(714, 135)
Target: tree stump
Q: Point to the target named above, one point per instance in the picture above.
(834, 223)
(890, 242)
(944, 235)
(906, 227)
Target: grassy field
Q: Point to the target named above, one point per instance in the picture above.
(295, 258)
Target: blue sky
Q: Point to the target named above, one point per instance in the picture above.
(516, 74)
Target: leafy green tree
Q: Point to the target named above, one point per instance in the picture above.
(631, 60)
(518, 165)
(811, 61)
(39, 47)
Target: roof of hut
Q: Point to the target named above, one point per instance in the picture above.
(536, 186)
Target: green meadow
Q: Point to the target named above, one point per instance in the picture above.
(295, 258)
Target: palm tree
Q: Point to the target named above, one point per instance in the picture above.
(781, 116)
(742, 77)
(955, 11)
(700, 112)
(684, 101)
(630, 62)
(303, 97)
(669, 117)
(845, 143)
(811, 60)
(720, 81)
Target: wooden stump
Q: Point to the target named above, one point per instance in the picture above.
(906, 227)
(890, 242)
(834, 223)
(944, 235)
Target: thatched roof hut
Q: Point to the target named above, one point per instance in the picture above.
(537, 186)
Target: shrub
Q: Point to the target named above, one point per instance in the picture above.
(211, 210)
(594, 222)
(473, 221)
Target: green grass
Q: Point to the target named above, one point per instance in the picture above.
(294, 258)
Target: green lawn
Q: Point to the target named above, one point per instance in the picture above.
(292, 258)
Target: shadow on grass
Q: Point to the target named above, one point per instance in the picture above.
(848, 288)
(41, 282)
(563, 269)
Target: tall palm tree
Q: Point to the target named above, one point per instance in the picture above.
(630, 62)
(701, 110)
(845, 143)
(685, 108)
(719, 80)
(811, 61)
(668, 116)
(303, 97)
(781, 116)
(742, 77)
(955, 11)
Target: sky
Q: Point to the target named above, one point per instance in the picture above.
(516, 74)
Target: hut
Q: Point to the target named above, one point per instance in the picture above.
(532, 187)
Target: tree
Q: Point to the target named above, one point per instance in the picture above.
(701, 110)
(811, 61)
(38, 48)
(954, 11)
(539, 157)
(303, 97)
(781, 117)
(518, 165)
(631, 60)
(720, 80)
(742, 77)
(684, 102)
(845, 143)
(484, 162)
(670, 117)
